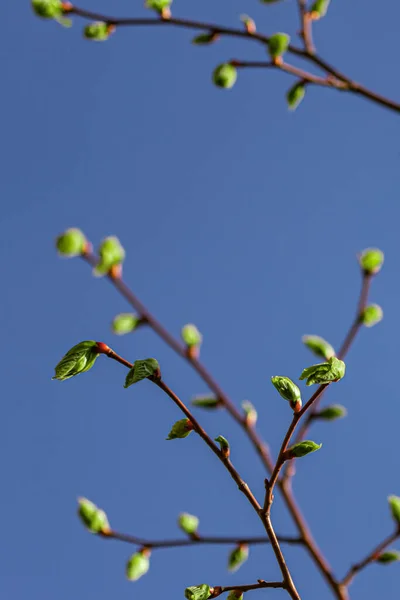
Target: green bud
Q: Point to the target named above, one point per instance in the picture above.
(191, 335)
(302, 449)
(111, 254)
(125, 323)
(250, 412)
(98, 32)
(188, 523)
(328, 372)
(158, 5)
(224, 445)
(206, 401)
(235, 595)
(371, 260)
(50, 9)
(288, 390)
(143, 369)
(295, 95)
(394, 504)
(79, 359)
(388, 557)
(371, 315)
(71, 243)
(319, 346)
(319, 8)
(92, 517)
(204, 39)
(224, 76)
(180, 429)
(331, 413)
(278, 44)
(138, 565)
(237, 557)
(198, 592)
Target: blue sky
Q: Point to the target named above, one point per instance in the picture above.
(236, 215)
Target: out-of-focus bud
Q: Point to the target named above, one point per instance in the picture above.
(125, 323)
(319, 346)
(390, 556)
(111, 255)
(278, 44)
(162, 7)
(371, 260)
(394, 505)
(188, 523)
(94, 519)
(319, 9)
(249, 23)
(204, 39)
(295, 95)
(138, 565)
(98, 32)
(180, 429)
(331, 413)
(371, 315)
(71, 243)
(250, 412)
(225, 76)
(206, 401)
(328, 372)
(237, 557)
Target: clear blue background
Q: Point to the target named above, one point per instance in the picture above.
(235, 215)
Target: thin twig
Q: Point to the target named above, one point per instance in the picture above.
(306, 54)
(306, 27)
(371, 557)
(195, 541)
(218, 590)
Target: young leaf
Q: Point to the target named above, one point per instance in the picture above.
(371, 315)
(237, 557)
(143, 369)
(371, 260)
(98, 32)
(388, 557)
(288, 390)
(188, 523)
(198, 592)
(138, 565)
(94, 519)
(224, 76)
(111, 254)
(319, 9)
(180, 429)
(302, 449)
(78, 359)
(204, 38)
(71, 243)
(158, 5)
(319, 346)
(295, 95)
(328, 372)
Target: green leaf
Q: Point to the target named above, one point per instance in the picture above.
(125, 323)
(328, 372)
(371, 260)
(188, 523)
(303, 448)
(223, 442)
(237, 557)
(143, 369)
(47, 9)
(331, 413)
(158, 5)
(319, 8)
(319, 346)
(206, 401)
(78, 359)
(94, 519)
(371, 315)
(180, 429)
(235, 595)
(288, 390)
(388, 557)
(71, 243)
(278, 44)
(198, 592)
(295, 95)
(204, 39)
(111, 253)
(394, 504)
(224, 76)
(191, 335)
(98, 32)
(250, 412)
(138, 565)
